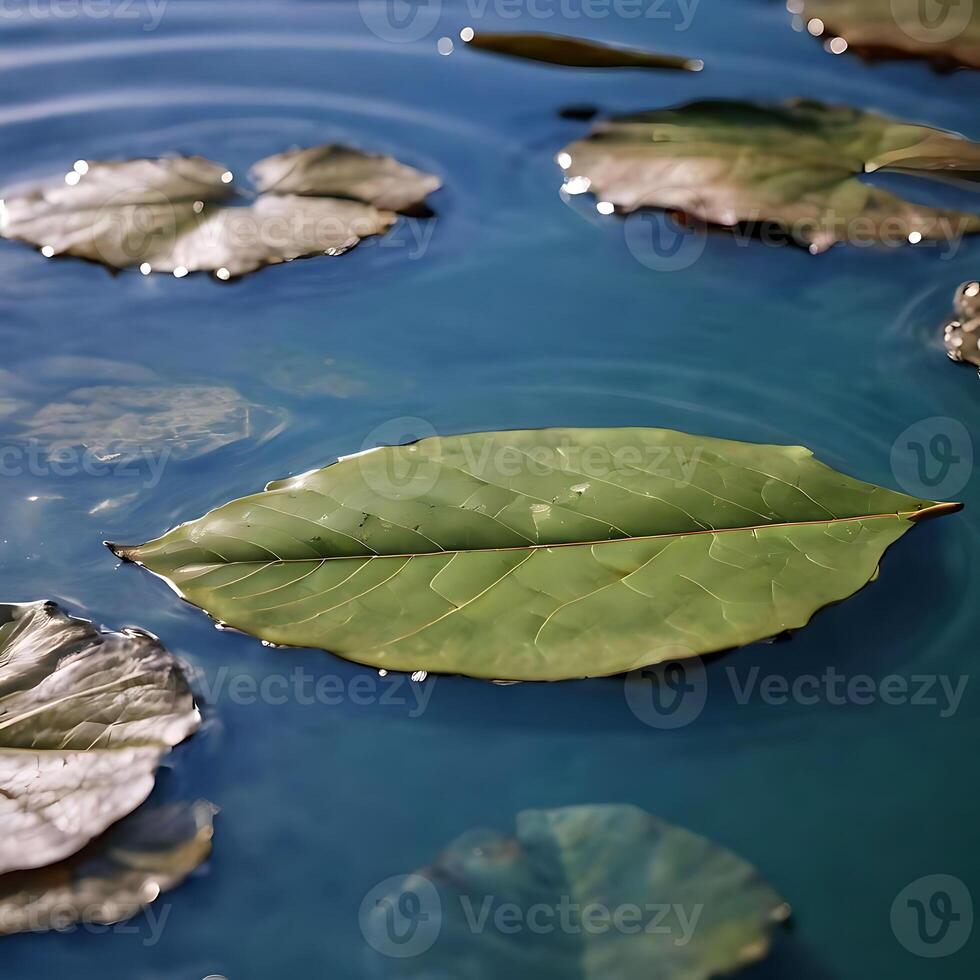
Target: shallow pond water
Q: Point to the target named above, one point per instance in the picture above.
(512, 308)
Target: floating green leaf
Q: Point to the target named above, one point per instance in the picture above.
(114, 877)
(171, 214)
(573, 52)
(85, 718)
(537, 554)
(943, 32)
(584, 892)
(962, 332)
(794, 167)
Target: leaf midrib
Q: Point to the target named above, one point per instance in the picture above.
(935, 510)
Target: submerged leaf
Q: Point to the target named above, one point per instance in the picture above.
(171, 214)
(114, 877)
(85, 718)
(962, 333)
(943, 32)
(585, 892)
(537, 554)
(573, 52)
(127, 423)
(794, 166)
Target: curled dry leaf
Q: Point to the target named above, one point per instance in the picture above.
(962, 333)
(537, 554)
(86, 718)
(794, 167)
(573, 52)
(945, 33)
(114, 877)
(173, 214)
(597, 892)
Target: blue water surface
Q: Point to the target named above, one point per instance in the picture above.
(513, 307)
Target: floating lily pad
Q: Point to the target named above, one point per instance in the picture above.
(573, 52)
(86, 718)
(173, 214)
(125, 423)
(585, 892)
(945, 33)
(114, 877)
(537, 554)
(793, 167)
(962, 332)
